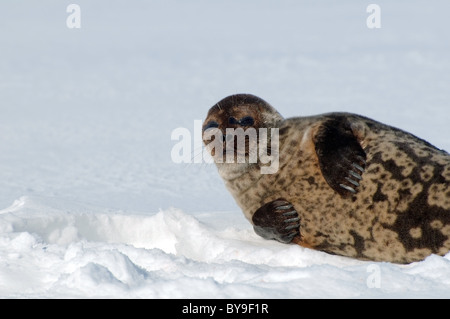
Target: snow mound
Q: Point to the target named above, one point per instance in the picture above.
(80, 251)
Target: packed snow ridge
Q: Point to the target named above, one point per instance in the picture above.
(64, 249)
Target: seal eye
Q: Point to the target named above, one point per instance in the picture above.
(211, 124)
(247, 121)
(232, 120)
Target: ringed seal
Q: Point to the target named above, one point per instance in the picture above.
(345, 184)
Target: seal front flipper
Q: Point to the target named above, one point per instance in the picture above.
(277, 220)
(342, 160)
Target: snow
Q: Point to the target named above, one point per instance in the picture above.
(92, 204)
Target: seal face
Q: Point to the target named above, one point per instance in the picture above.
(346, 184)
(238, 112)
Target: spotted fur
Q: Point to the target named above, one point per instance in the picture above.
(399, 212)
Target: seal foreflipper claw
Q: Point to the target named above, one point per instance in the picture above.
(358, 167)
(290, 220)
(290, 213)
(285, 206)
(342, 160)
(350, 189)
(277, 220)
(356, 175)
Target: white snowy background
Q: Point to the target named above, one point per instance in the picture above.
(91, 203)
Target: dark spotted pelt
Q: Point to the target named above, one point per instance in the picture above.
(346, 184)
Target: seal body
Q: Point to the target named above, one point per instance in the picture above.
(359, 188)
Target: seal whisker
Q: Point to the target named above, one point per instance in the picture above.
(198, 152)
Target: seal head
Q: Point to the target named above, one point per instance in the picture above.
(244, 113)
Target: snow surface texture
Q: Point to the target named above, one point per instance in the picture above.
(93, 204)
